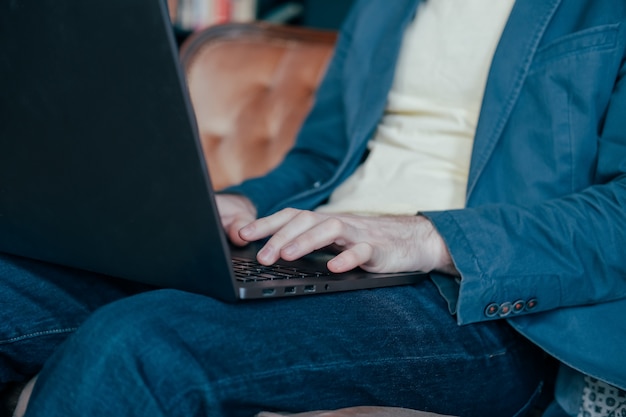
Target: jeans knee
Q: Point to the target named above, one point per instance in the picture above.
(126, 344)
(129, 321)
(144, 327)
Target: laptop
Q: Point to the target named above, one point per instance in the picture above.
(101, 166)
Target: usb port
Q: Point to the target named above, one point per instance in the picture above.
(290, 290)
(269, 291)
(309, 288)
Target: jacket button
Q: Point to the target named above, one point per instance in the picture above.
(505, 309)
(492, 310)
(531, 304)
(518, 306)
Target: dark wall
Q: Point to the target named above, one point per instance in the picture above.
(328, 14)
(325, 13)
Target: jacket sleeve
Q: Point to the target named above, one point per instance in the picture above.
(568, 251)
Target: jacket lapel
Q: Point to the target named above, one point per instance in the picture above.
(391, 22)
(509, 68)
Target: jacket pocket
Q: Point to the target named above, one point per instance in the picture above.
(596, 39)
(566, 94)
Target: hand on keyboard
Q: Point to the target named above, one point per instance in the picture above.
(376, 244)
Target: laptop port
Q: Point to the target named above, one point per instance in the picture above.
(290, 290)
(269, 291)
(309, 288)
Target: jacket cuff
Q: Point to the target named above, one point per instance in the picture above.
(484, 294)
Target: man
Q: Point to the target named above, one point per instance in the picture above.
(534, 246)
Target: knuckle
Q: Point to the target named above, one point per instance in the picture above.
(335, 223)
(306, 216)
(288, 212)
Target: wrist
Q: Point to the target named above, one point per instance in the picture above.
(435, 248)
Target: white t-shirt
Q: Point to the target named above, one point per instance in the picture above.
(420, 154)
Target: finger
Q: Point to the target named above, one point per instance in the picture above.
(267, 226)
(287, 236)
(326, 232)
(233, 231)
(356, 256)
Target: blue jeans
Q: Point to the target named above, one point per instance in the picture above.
(170, 353)
(40, 305)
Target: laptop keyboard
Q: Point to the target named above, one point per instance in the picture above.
(249, 270)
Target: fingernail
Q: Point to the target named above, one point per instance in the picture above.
(336, 263)
(264, 254)
(246, 231)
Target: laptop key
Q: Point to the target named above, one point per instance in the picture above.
(247, 270)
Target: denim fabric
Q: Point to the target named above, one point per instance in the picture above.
(40, 305)
(170, 353)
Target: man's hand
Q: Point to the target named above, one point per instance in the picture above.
(236, 211)
(376, 244)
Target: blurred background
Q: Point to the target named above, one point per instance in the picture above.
(192, 15)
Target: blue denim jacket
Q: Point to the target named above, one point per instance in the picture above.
(541, 240)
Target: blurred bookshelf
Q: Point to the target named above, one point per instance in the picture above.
(192, 15)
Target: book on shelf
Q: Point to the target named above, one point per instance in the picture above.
(194, 15)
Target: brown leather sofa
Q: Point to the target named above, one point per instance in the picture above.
(251, 86)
